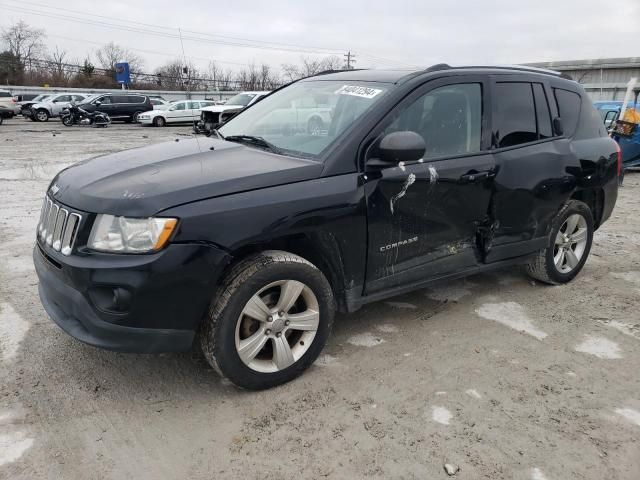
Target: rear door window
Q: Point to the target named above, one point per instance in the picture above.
(194, 105)
(514, 114)
(569, 109)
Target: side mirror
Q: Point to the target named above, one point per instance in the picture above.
(399, 147)
(98, 103)
(557, 126)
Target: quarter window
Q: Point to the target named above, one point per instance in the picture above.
(514, 119)
(448, 118)
(569, 109)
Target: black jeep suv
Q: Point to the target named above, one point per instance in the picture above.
(247, 242)
(119, 106)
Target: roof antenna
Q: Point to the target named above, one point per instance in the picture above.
(185, 69)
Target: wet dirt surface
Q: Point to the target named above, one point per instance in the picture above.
(494, 374)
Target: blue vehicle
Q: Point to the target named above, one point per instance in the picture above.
(630, 146)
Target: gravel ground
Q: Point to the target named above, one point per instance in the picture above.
(494, 374)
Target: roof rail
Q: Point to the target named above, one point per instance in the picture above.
(522, 68)
(436, 67)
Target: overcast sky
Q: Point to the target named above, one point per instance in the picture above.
(381, 34)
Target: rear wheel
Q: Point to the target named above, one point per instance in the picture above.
(1, 119)
(135, 117)
(159, 122)
(269, 321)
(67, 121)
(42, 115)
(568, 248)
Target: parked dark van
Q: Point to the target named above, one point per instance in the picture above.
(248, 241)
(119, 106)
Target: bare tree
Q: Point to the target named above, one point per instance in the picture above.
(57, 63)
(309, 67)
(110, 54)
(24, 42)
(177, 75)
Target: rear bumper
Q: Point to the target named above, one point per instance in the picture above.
(164, 314)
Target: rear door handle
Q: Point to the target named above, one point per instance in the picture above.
(474, 176)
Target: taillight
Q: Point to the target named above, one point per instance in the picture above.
(619, 152)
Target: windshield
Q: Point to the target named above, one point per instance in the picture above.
(241, 99)
(305, 118)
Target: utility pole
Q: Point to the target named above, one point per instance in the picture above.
(349, 60)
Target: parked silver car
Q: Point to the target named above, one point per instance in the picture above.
(53, 106)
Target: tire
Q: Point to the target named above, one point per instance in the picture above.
(315, 126)
(554, 265)
(67, 121)
(134, 117)
(159, 122)
(1, 119)
(41, 115)
(266, 276)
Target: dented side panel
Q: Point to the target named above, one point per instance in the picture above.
(424, 219)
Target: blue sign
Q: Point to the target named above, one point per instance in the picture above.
(122, 73)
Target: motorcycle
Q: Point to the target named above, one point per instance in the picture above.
(75, 115)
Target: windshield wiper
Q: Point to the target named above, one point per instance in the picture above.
(253, 140)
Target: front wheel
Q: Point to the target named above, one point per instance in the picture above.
(67, 121)
(569, 245)
(159, 122)
(42, 115)
(269, 320)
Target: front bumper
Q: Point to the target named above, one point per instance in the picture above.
(169, 294)
(145, 121)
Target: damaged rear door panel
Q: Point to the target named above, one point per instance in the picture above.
(425, 217)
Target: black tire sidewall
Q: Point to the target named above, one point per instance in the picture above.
(159, 122)
(572, 208)
(227, 358)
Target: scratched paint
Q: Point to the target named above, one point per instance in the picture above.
(433, 174)
(407, 183)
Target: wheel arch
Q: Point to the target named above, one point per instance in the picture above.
(319, 248)
(594, 199)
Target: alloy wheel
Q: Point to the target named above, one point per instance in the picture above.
(570, 244)
(277, 326)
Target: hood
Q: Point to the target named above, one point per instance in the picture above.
(220, 108)
(144, 181)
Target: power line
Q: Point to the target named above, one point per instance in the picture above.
(146, 31)
(21, 2)
(349, 60)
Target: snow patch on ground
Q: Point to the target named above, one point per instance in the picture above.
(626, 328)
(402, 305)
(536, 474)
(12, 330)
(441, 415)
(630, 414)
(387, 328)
(473, 393)
(600, 347)
(13, 446)
(631, 277)
(441, 393)
(512, 315)
(366, 339)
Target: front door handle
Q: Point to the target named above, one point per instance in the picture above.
(474, 176)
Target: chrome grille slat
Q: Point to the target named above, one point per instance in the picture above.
(70, 233)
(60, 223)
(51, 223)
(58, 227)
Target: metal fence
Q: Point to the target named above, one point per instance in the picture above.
(166, 94)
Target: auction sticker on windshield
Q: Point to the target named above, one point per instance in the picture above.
(364, 92)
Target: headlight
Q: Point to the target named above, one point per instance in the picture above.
(130, 235)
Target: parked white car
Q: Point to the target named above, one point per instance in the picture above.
(183, 111)
(53, 106)
(159, 104)
(214, 115)
(7, 100)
